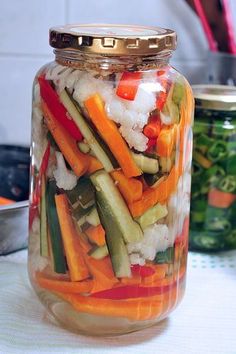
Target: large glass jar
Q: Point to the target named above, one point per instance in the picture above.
(213, 197)
(110, 182)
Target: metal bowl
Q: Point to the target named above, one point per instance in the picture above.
(14, 227)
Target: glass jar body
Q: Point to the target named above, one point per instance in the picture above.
(110, 189)
(213, 193)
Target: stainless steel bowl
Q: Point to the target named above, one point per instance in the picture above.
(13, 227)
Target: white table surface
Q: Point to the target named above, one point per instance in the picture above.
(205, 322)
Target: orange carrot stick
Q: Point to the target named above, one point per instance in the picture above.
(74, 255)
(134, 310)
(166, 141)
(155, 195)
(63, 286)
(5, 201)
(94, 164)
(76, 159)
(130, 188)
(102, 273)
(110, 133)
(96, 234)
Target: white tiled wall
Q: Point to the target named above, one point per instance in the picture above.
(24, 45)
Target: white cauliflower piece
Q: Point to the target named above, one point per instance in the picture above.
(134, 138)
(64, 179)
(136, 258)
(39, 141)
(87, 86)
(37, 97)
(115, 110)
(144, 102)
(156, 239)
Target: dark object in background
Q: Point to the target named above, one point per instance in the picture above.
(14, 185)
(14, 172)
(14, 227)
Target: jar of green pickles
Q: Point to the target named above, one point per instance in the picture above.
(213, 197)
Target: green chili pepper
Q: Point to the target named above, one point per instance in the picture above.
(219, 226)
(217, 151)
(227, 184)
(208, 241)
(200, 128)
(203, 143)
(197, 216)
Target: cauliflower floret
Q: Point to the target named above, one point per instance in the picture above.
(144, 101)
(65, 179)
(156, 239)
(115, 110)
(134, 138)
(136, 258)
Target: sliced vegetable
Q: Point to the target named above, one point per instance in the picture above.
(86, 131)
(116, 209)
(219, 199)
(130, 188)
(146, 164)
(201, 159)
(138, 310)
(110, 133)
(54, 229)
(159, 194)
(166, 256)
(99, 252)
(166, 163)
(96, 234)
(76, 159)
(94, 165)
(152, 215)
(227, 184)
(166, 141)
(74, 255)
(85, 148)
(128, 85)
(152, 129)
(83, 193)
(217, 151)
(143, 271)
(63, 286)
(52, 101)
(93, 218)
(114, 240)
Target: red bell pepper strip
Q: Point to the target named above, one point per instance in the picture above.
(143, 271)
(128, 85)
(132, 291)
(52, 100)
(162, 95)
(150, 145)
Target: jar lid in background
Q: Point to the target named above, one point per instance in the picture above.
(215, 97)
(111, 39)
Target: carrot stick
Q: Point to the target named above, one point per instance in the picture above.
(219, 199)
(94, 164)
(166, 141)
(155, 195)
(110, 133)
(130, 188)
(102, 273)
(76, 159)
(74, 255)
(96, 234)
(138, 310)
(63, 286)
(160, 273)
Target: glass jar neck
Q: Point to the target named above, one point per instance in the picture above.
(85, 61)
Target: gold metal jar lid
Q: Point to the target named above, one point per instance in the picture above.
(215, 97)
(113, 39)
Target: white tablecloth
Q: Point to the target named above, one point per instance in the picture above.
(204, 323)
